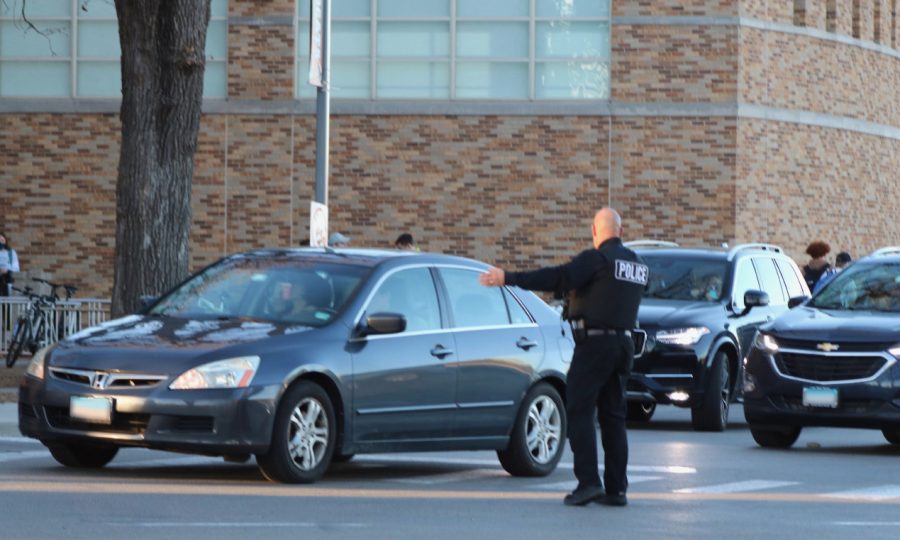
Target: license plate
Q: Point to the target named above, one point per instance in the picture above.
(820, 396)
(91, 409)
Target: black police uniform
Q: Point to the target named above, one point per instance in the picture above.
(605, 287)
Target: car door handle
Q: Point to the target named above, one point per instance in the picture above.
(440, 352)
(525, 343)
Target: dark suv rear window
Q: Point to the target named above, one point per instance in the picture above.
(693, 279)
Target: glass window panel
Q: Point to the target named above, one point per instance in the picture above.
(99, 39)
(492, 8)
(98, 9)
(563, 39)
(36, 8)
(215, 81)
(572, 80)
(483, 39)
(99, 79)
(572, 8)
(349, 79)
(517, 313)
(744, 280)
(492, 80)
(35, 79)
(217, 40)
(17, 40)
(219, 8)
(303, 40)
(472, 305)
(413, 39)
(794, 285)
(768, 278)
(412, 294)
(349, 38)
(349, 8)
(413, 8)
(303, 8)
(414, 80)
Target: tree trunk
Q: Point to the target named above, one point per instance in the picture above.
(163, 59)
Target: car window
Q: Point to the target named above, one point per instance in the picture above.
(471, 303)
(410, 293)
(517, 313)
(696, 279)
(864, 287)
(744, 280)
(768, 278)
(791, 279)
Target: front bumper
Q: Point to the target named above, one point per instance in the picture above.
(665, 370)
(206, 421)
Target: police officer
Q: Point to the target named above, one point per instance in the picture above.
(604, 287)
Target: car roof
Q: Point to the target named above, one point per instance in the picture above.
(711, 253)
(368, 257)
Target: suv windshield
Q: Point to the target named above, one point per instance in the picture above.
(694, 279)
(287, 290)
(862, 286)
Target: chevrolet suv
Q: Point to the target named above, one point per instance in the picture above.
(701, 310)
(833, 361)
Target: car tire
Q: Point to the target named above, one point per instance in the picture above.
(82, 455)
(538, 436)
(892, 435)
(711, 414)
(775, 436)
(303, 436)
(640, 411)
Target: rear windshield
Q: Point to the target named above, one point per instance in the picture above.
(862, 287)
(691, 279)
(288, 290)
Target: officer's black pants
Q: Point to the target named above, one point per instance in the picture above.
(596, 384)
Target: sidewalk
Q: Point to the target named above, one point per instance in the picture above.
(9, 420)
(9, 394)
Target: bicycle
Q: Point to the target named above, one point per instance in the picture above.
(34, 326)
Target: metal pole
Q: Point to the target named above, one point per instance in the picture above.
(323, 109)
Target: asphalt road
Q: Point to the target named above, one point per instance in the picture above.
(834, 483)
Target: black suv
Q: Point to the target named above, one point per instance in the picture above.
(833, 361)
(701, 310)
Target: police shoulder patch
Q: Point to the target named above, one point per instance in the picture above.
(632, 272)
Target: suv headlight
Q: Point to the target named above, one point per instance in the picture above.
(895, 351)
(682, 336)
(231, 373)
(766, 342)
(36, 366)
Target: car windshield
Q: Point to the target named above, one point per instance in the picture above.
(692, 279)
(287, 290)
(862, 286)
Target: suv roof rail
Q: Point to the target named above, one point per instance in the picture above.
(891, 250)
(650, 244)
(762, 247)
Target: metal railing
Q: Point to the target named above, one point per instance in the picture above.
(68, 316)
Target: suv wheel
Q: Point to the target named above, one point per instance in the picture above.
(539, 436)
(712, 413)
(639, 411)
(892, 435)
(775, 437)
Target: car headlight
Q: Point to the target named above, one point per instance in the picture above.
(36, 366)
(682, 336)
(766, 342)
(895, 351)
(231, 373)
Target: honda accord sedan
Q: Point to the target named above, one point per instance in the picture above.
(305, 357)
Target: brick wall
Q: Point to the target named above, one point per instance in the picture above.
(708, 8)
(810, 13)
(260, 62)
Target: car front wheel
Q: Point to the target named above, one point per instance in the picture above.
(303, 436)
(82, 456)
(775, 437)
(892, 435)
(538, 436)
(711, 414)
(640, 411)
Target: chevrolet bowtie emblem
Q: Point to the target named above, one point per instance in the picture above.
(828, 347)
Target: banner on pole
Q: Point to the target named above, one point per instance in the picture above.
(316, 24)
(318, 224)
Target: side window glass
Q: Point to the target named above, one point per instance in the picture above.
(410, 293)
(794, 287)
(517, 313)
(744, 280)
(472, 304)
(768, 278)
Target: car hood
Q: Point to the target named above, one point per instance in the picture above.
(159, 344)
(656, 313)
(836, 325)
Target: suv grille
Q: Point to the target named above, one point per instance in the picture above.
(845, 346)
(828, 368)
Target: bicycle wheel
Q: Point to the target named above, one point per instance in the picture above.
(17, 343)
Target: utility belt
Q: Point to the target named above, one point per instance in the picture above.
(580, 332)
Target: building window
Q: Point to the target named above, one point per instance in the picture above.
(77, 53)
(463, 49)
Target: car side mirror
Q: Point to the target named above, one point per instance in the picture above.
(796, 301)
(146, 301)
(383, 323)
(754, 298)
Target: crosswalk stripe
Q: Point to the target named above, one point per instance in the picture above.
(875, 493)
(166, 462)
(23, 440)
(737, 487)
(670, 469)
(17, 456)
(458, 476)
(570, 485)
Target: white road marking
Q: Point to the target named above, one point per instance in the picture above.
(23, 440)
(18, 456)
(570, 485)
(738, 487)
(458, 476)
(241, 524)
(867, 523)
(671, 469)
(166, 462)
(877, 493)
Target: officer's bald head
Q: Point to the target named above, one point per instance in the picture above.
(607, 224)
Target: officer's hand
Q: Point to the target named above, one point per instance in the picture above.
(494, 277)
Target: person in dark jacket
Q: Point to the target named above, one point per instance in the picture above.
(604, 286)
(817, 265)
